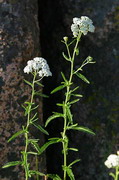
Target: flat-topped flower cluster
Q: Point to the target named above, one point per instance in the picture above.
(83, 25)
(112, 161)
(39, 65)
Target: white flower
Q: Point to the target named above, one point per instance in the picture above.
(39, 65)
(112, 161)
(83, 25)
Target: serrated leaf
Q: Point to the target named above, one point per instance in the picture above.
(74, 162)
(27, 82)
(36, 172)
(84, 129)
(54, 116)
(40, 128)
(16, 134)
(74, 101)
(58, 88)
(13, 163)
(65, 57)
(73, 149)
(82, 77)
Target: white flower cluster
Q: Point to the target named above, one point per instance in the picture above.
(112, 161)
(38, 64)
(83, 25)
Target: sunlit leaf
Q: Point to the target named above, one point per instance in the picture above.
(82, 77)
(58, 88)
(13, 163)
(27, 82)
(74, 162)
(84, 129)
(74, 101)
(54, 116)
(73, 149)
(54, 176)
(16, 134)
(36, 172)
(40, 128)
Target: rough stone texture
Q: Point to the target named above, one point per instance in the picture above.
(99, 109)
(19, 42)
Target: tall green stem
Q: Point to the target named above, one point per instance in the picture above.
(67, 98)
(26, 165)
(117, 173)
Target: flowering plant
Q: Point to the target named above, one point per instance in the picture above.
(113, 162)
(39, 68)
(81, 26)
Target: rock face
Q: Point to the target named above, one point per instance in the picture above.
(19, 42)
(99, 108)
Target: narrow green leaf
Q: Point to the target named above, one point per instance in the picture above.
(13, 163)
(35, 108)
(34, 153)
(111, 174)
(40, 128)
(74, 101)
(31, 120)
(77, 95)
(65, 57)
(41, 94)
(58, 88)
(74, 89)
(84, 129)
(82, 77)
(27, 82)
(36, 172)
(45, 146)
(77, 51)
(77, 160)
(36, 146)
(73, 149)
(63, 76)
(38, 83)
(58, 104)
(69, 115)
(54, 116)
(16, 134)
(69, 172)
(54, 176)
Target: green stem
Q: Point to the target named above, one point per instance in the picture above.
(26, 165)
(117, 173)
(67, 98)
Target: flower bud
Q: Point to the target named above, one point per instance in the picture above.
(65, 39)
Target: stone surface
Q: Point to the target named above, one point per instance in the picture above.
(99, 109)
(19, 42)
